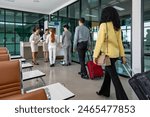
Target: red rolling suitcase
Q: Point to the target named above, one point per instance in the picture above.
(95, 71)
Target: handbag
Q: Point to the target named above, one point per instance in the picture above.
(103, 59)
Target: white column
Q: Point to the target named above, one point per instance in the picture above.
(136, 35)
(45, 25)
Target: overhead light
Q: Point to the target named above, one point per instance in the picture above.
(113, 2)
(88, 15)
(9, 23)
(119, 8)
(122, 0)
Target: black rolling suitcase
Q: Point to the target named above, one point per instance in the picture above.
(140, 83)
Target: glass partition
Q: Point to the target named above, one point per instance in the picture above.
(146, 38)
(63, 12)
(74, 10)
(90, 10)
(16, 26)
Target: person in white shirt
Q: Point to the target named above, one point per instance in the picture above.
(52, 44)
(45, 45)
(34, 40)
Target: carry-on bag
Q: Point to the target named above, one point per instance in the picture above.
(139, 82)
(95, 71)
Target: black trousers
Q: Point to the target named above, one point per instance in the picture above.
(82, 48)
(111, 73)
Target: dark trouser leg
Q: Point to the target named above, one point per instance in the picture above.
(82, 48)
(112, 73)
(120, 93)
(82, 61)
(105, 89)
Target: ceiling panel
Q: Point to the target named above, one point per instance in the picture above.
(39, 6)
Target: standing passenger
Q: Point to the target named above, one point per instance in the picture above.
(34, 40)
(66, 44)
(52, 43)
(110, 27)
(45, 46)
(81, 43)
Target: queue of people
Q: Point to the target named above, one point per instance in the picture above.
(50, 44)
(109, 28)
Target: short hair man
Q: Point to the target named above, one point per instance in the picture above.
(81, 43)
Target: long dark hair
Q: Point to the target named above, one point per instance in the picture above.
(110, 14)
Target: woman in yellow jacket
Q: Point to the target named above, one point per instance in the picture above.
(112, 47)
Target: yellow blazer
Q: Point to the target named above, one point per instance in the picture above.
(115, 47)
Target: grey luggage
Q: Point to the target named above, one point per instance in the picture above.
(140, 83)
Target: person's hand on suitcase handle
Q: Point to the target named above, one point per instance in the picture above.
(95, 60)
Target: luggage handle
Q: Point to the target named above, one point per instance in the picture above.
(128, 69)
(89, 55)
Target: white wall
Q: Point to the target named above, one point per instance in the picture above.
(136, 35)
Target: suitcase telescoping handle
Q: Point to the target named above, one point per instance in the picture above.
(89, 55)
(128, 69)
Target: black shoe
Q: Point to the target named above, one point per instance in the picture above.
(51, 65)
(84, 76)
(80, 73)
(69, 64)
(98, 93)
(65, 64)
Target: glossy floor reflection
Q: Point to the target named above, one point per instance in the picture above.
(83, 89)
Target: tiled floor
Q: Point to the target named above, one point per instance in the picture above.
(83, 89)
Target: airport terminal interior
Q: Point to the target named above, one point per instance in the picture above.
(18, 18)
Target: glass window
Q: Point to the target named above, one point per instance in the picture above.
(2, 26)
(1, 15)
(18, 28)
(32, 17)
(26, 37)
(18, 17)
(63, 12)
(28, 28)
(54, 18)
(46, 17)
(74, 11)
(9, 16)
(10, 38)
(1, 38)
(10, 27)
(146, 35)
(11, 47)
(90, 10)
(55, 14)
